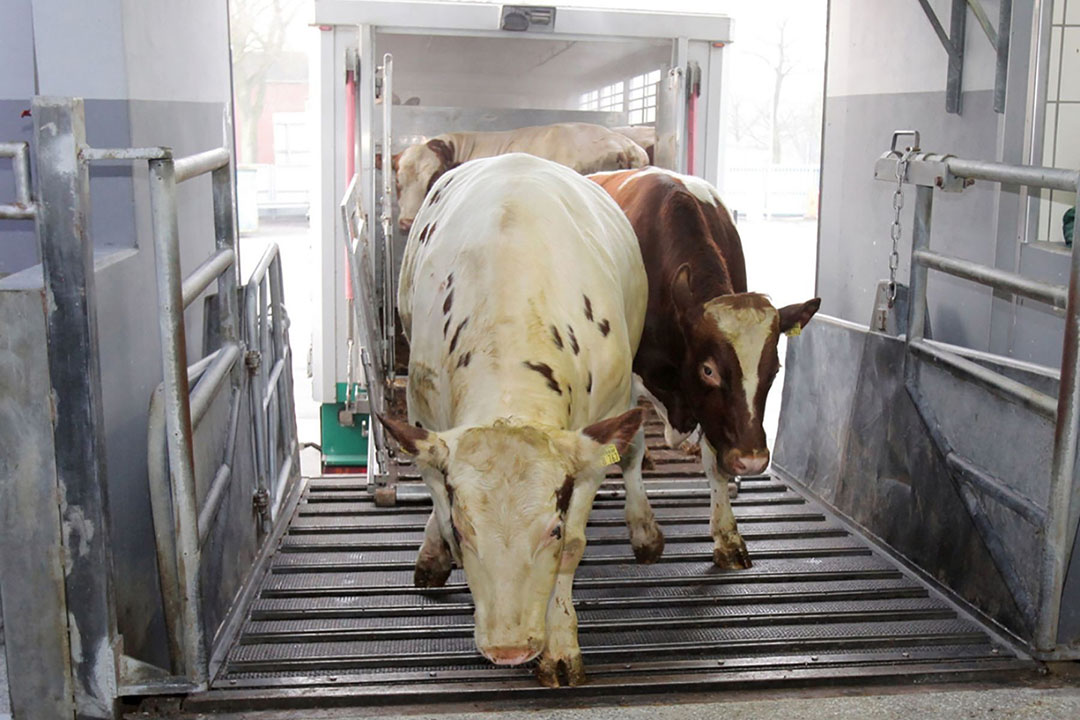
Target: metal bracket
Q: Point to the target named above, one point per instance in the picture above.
(927, 169)
(953, 42)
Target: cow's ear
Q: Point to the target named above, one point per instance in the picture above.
(378, 161)
(602, 443)
(395, 160)
(444, 149)
(681, 294)
(428, 447)
(794, 317)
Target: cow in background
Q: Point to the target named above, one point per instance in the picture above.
(708, 352)
(582, 147)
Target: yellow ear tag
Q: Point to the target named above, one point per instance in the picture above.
(611, 455)
(795, 330)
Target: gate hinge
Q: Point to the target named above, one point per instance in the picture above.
(261, 501)
(252, 360)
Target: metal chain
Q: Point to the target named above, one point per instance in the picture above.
(894, 231)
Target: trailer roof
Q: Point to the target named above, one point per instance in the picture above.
(483, 18)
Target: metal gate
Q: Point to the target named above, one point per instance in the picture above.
(65, 650)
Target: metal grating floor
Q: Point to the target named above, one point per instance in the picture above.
(337, 621)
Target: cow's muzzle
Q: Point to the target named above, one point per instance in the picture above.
(748, 463)
(405, 224)
(511, 655)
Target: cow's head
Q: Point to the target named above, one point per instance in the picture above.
(730, 362)
(417, 168)
(517, 498)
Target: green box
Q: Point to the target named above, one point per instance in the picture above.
(344, 445)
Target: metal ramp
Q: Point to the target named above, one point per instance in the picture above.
(337, 620)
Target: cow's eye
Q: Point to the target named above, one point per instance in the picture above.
(556, 532)
(710, 373)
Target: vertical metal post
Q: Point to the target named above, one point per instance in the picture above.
(1001, 74)
(257, 385)
(954, 81)
(178, 411)
(284, 391)
(78, 421)
(920, 240)
(1061, 524)
(225, 237)
(389, 296)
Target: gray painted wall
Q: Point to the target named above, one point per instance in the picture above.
(886, 71)
(142, 87)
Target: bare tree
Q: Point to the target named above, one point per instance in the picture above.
(258, 30)
(781, 65)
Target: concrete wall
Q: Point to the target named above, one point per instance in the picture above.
(887, 71)
(143, 86)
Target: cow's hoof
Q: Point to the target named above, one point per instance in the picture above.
(648, 543)
(553, 672)
(431, 571)
(692, 449)
(647, 461)
(732, 554)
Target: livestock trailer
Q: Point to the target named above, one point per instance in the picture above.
(160, 548)
(471, 67)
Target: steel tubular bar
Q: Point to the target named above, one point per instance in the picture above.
(256, 385)
(19, 152)
(1051, 178)
(23, 208)
(389, 296)
(288, 418)
(1006, 387)
(1000, 491)
(210, 384)
(936, 24)
(1061, 526)
(955, 78)
(225, 239)
(216, 493)
(277, 320)
(148, 153)
(1004, 39)
(1016, 283)
(266, 351)
(984, 21)
(920, 240)
(178, 412)
(208, 272)
(201, 163)
(16, 212)
(272, 382)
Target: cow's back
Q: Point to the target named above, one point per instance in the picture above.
(522, 288)
(679, 219)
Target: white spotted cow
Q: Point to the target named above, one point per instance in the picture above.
(583, 147)
(523, 295)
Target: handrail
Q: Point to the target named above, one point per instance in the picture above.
(208, 387)
(1016, 283)
(23, 208)
(1061, 517)
(201, 277)
(200, 163)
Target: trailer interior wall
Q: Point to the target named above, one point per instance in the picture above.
(886, 71)
(142, 87)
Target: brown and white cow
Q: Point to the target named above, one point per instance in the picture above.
(523, 295)
(583, 147)
(708, 352)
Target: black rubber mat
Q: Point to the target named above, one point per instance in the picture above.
(337, 620)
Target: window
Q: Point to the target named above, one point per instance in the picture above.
(590, 100)
(642, 98)
(291, 139)
(1061, 148)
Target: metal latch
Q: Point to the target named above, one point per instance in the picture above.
(528, 18)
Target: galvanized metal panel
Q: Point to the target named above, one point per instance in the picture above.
(32, 560)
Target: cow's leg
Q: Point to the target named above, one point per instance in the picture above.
(434, 563)
(729, 549)
(561, 660)
(645, 535)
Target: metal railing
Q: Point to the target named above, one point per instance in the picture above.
(1059, 520)
(23, 208)
(371, 271)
